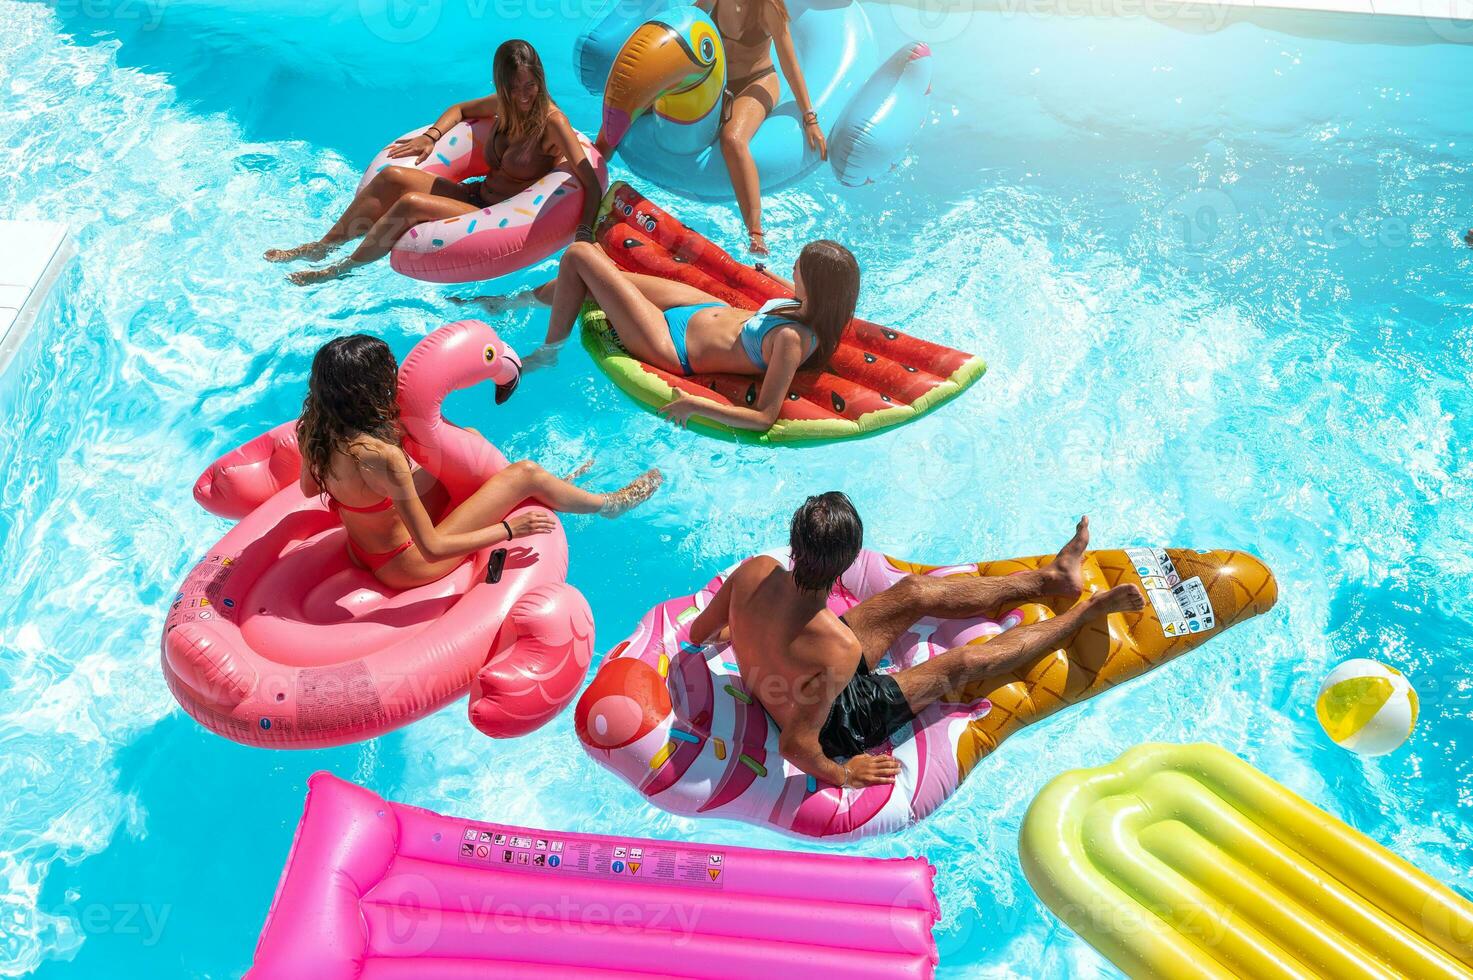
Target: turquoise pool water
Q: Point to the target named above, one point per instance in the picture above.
(1215, 275)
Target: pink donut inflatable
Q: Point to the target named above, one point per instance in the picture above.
(277, 639)
(496, 240)
(377, 889)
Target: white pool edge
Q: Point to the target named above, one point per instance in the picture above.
(32, 257)
(1414, 21)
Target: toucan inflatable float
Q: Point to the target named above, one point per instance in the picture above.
(661, 69)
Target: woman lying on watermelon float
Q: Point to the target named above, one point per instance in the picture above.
(685, 330)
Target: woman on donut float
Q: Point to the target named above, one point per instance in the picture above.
(352, 451)
(685, 330)
(749, 32)
(532, 137)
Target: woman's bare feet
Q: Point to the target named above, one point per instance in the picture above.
(582, 469)
(306, 277)
(641, 489)
(1064, 575)
(310, 252)
(756, 243)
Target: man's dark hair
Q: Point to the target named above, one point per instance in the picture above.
(825, 538)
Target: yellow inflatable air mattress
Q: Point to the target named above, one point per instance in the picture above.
(1185, 861)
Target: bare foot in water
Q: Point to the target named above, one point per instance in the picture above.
(1064, 575)
(637, 492)
(495, 305)
(306, 277)
(1122, 598)
(310, 252)
(582, 470)
(757, 244)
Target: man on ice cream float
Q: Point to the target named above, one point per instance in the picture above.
(816, 673)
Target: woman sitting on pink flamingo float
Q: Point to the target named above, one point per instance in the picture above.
(385, 561)
(352, 451)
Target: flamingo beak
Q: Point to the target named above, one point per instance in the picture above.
(504, 388)
(505, 369)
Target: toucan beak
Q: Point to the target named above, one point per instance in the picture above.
(653, 61)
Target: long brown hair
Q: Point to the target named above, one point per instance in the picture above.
(831, 291)
(351, 393)
(512, 57)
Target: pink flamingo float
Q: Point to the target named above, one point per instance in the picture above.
(277, 639)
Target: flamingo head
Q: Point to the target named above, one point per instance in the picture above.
(503, 365)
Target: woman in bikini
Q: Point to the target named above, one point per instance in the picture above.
(750, 29)
(531, 138)
(685, 330)
(396, 513)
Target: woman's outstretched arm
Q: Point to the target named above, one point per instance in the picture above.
(787, 355)
(420, 147)
(388, 472)
(572, 151)
(776, 24)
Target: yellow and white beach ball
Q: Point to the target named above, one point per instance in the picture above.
(1367, 707)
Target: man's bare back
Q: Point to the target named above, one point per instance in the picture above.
(794, 656)
(815, 673)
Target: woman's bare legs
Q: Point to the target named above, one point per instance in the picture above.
(666, 293)
(750, 107)
(413, 208)
(369, 204)
(585, 270)
(496, 304)
(495, 499)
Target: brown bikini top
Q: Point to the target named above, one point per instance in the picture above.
(524, 162)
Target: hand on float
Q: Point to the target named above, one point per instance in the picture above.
(533, 522)
(681, 409)
(814, 132)
(420, 147)
(870, 770)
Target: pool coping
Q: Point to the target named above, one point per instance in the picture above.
(1405, 21)
(32, 257)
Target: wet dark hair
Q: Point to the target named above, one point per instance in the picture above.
(510, 58)
(831, 291)
(351, 393)
(825, 538)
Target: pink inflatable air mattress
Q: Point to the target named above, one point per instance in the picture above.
(379, 890)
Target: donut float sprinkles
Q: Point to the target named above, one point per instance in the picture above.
(500, 239)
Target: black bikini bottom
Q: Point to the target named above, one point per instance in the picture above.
(737, 86)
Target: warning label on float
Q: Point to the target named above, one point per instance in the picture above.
(1182, 606)
(509, 850)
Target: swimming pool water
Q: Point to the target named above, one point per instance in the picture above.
(1214, 273)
